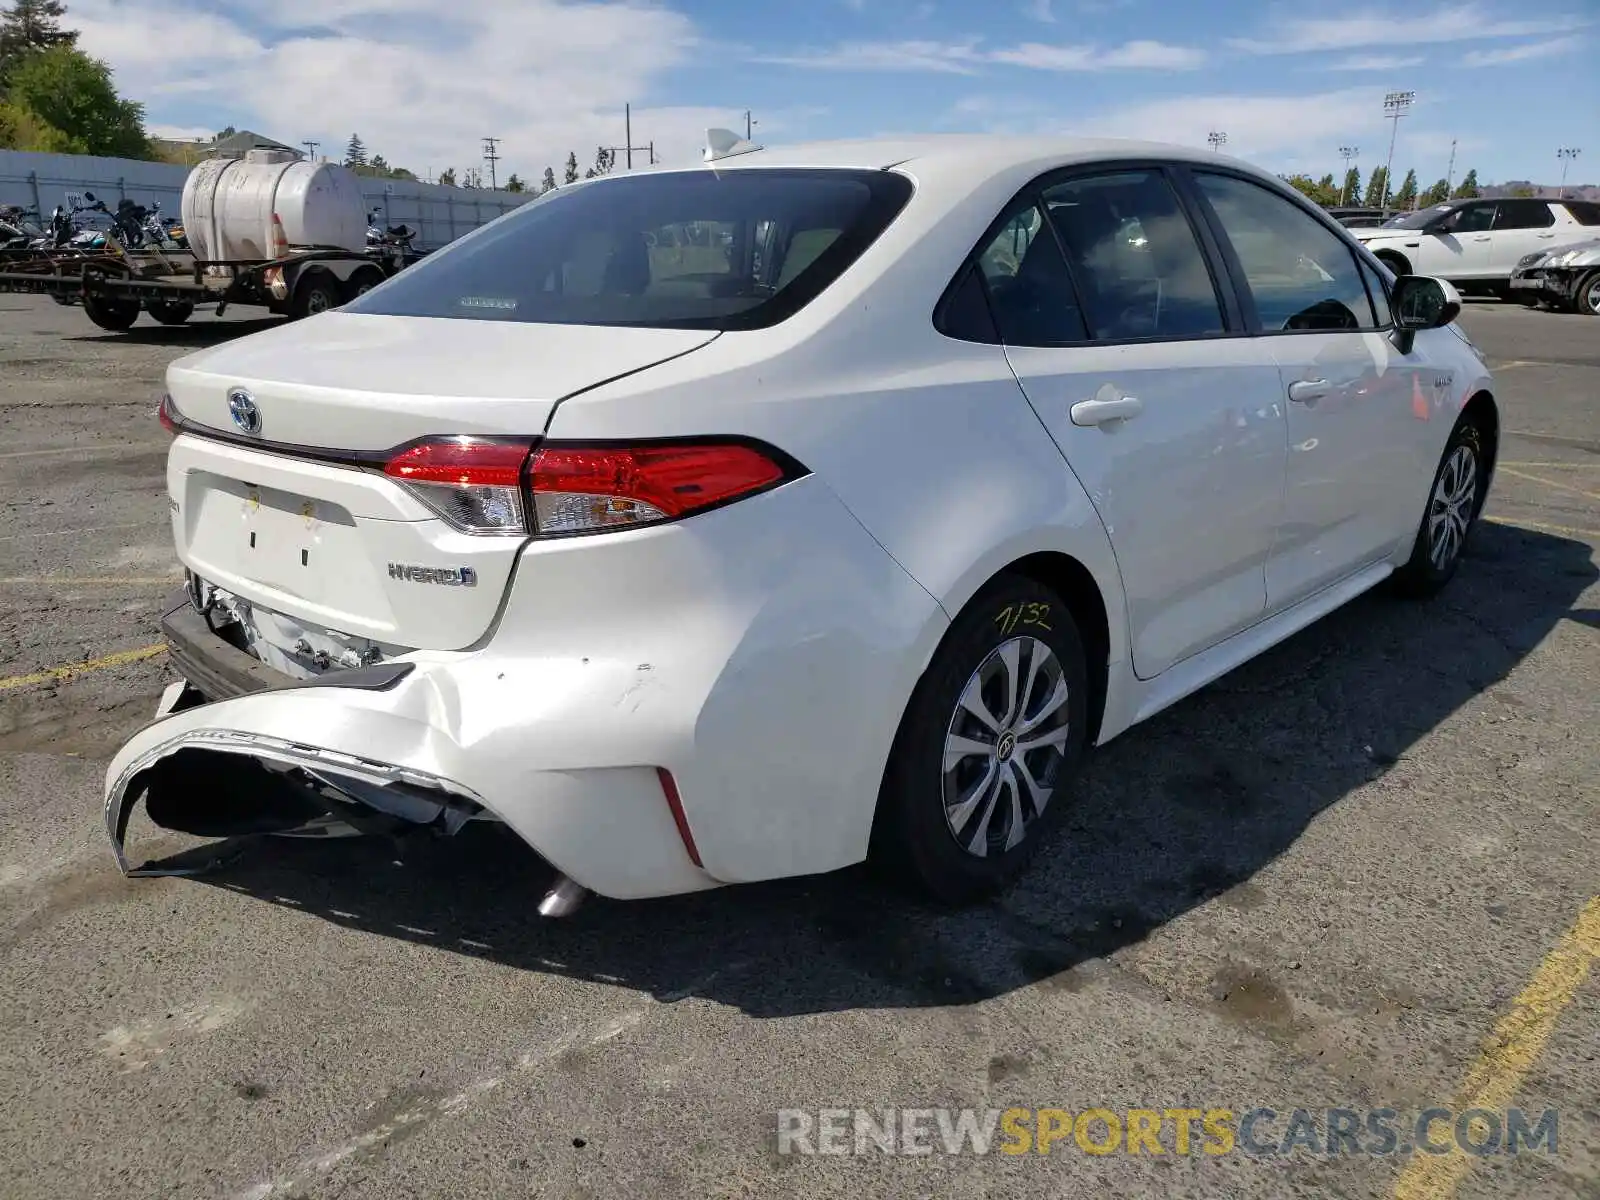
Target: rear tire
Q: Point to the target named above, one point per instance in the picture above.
(1454, 501)
(117, 316)
(1395, 262)
(171, 312)
(362, 282)
(977, 779)
(316, 293)
(1586, 295)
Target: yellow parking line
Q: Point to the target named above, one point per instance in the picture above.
(70, 581)
(96, 448)
(1593, 533)
(1510, 1051)
(1559, 466)
(55, 674)
(1564, 487)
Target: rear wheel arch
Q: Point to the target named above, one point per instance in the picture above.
(1079, 591)
(1483, 412)
(1394, 260)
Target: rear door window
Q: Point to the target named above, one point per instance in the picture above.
(738, 249)
(1134, 257)
(1523, 214)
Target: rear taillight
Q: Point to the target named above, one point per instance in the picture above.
(495, 485)
(171, 418)
(475, 484)
(584, 489)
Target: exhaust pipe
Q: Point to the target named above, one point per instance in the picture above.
(564, 898)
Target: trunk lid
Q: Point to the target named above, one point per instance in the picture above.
(337, 546)
(352, 381)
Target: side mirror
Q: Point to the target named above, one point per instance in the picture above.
(1421, 302)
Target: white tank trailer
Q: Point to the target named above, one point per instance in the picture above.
(229, 206)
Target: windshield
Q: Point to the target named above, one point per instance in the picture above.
(1416, 220)
(739, 249)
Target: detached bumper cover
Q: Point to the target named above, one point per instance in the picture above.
(762, 654)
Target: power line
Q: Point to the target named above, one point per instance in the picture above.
(1348, 153)
(491, 157)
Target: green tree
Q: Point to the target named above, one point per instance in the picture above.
(378, 165)
(71, 92)
(1437, 194)
(21, 130)
(227, 131)
(1318, 191)
(1523, 192)
(1327, 184)
(515, 184)
(548, 183)
(355, 154)
(1350, 193)
(572, 166)
(1378, 188)
(1468, 188)
(30, 25)
(447, 177)
(1407, 195)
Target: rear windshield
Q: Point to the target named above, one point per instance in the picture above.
(740, 249)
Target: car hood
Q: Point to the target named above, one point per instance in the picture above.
(1573, 254)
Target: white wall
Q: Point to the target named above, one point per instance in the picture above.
(40, 181)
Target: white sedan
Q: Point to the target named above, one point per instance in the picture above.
(750, 520)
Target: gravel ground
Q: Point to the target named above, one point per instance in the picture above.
(1321, 882)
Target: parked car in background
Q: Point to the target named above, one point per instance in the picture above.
(847, 536)
(1358, 218)
(1478, 243)
(1566, 278)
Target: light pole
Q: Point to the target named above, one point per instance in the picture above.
(749, 126)
(1347, 153)
(1216, 139)
(1395, 106)
(311, 150)
(1566, 154)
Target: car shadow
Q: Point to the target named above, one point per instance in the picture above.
(200, 332)
(1181, 810)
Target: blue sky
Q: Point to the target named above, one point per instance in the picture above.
(423, 82)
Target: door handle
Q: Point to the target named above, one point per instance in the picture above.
(1544, 237)
(1103, 412)
(1480, 239)
(1308, 391)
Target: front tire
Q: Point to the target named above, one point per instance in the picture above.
(1395, 262)
(117, 316)
(1586, 295)
(1454, 502)
(988, 748)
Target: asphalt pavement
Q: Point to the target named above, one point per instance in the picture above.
(1359, 873)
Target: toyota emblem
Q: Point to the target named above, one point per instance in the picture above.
(242, 408)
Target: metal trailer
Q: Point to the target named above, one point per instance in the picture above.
(114, 285)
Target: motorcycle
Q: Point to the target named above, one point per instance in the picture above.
(65, 232)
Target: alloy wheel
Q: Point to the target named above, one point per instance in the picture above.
(1005, 745)
(1452, 508)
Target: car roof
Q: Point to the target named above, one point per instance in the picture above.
(978, 153)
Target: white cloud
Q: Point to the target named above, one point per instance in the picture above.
(1523, 53)
(1140, 55)
(1376, 62)
(954, 58)
(1377, 27)
(1257, 126)
(966, 57)
(421, 82)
